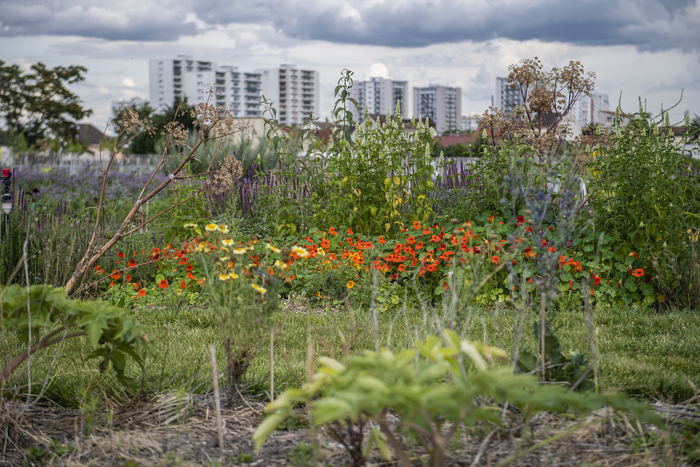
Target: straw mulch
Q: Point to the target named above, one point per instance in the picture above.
(167, 430)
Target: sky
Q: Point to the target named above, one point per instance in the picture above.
(648, 49)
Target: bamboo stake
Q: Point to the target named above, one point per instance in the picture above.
(217, 402)
(272, 364)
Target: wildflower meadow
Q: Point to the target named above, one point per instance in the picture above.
(353, 299)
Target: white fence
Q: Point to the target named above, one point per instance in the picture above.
(77, 163)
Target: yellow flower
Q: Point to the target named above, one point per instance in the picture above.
(224, 229)
(202, 247)
(225, 277)
(211, 227)
(233, 275)
(321, 252)
(280, 265)
(239, 251)
(351, 284)
(190, 225)
(301, 252)
(227, 242)
(272, 248)
(262, 290)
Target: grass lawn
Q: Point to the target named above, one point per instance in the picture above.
(650, 355)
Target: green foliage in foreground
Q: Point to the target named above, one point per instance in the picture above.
(427, 387)
(43, 316)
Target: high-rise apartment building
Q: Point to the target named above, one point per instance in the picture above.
(506, 98)
(585, 110)
(378, 94)
(294, 93)
(441, 104)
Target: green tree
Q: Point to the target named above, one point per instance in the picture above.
(38, 104)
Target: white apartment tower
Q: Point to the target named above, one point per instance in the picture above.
(441, 104)
(506, 98)
(586, 109)
(182, 77)
(294, 93)
(378, 94)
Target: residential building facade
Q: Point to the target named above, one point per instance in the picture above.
(294, 93)
(506, 98)
(379, 94)
(441, 104)
(587, 109)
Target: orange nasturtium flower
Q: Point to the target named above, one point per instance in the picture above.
(495, 259)
(128, 277)
(332, 231)
(350, 284)
(183, 284)
(416, 225)
(638, 272)
(131, 263)
(163, 284)
(115, 275)
(120, 254)
(142, 293)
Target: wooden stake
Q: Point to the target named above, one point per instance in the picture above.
(217, 401)
(272, 364)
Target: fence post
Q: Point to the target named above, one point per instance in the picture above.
(6, 181)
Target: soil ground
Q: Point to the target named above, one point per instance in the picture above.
(169, 431)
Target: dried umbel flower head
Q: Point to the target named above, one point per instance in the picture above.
(130, 122)
(175, 134)
(224, 178)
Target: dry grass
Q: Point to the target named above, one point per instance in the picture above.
(169, 430)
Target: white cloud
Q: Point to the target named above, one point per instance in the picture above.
(128, 82)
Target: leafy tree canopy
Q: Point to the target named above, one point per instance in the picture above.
(38, 105)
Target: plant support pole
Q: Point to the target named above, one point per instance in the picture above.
(217, 402)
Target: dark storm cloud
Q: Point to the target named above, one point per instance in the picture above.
(646, 24)
(126, 20)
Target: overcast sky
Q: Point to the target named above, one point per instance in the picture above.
(643, 48)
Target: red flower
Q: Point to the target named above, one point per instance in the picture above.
(638, 272)
(521, 219)
(325, 244)
(131, 263)
(419, 245)
(416, 225)
(350, 231)
(184, 261)
(115, 275)
(491, 218)
(332, 231)
(188, 268)
(163, 284)
(402, 267)
(183, 285)
(142, 293)
(190, 276)
(552, 249)
(426, 231)
(444, 285)
(636, 255)
(495, 259)
(411, 240)
(435, 238)
(381, 240)
(128, 277)
(120, 254)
